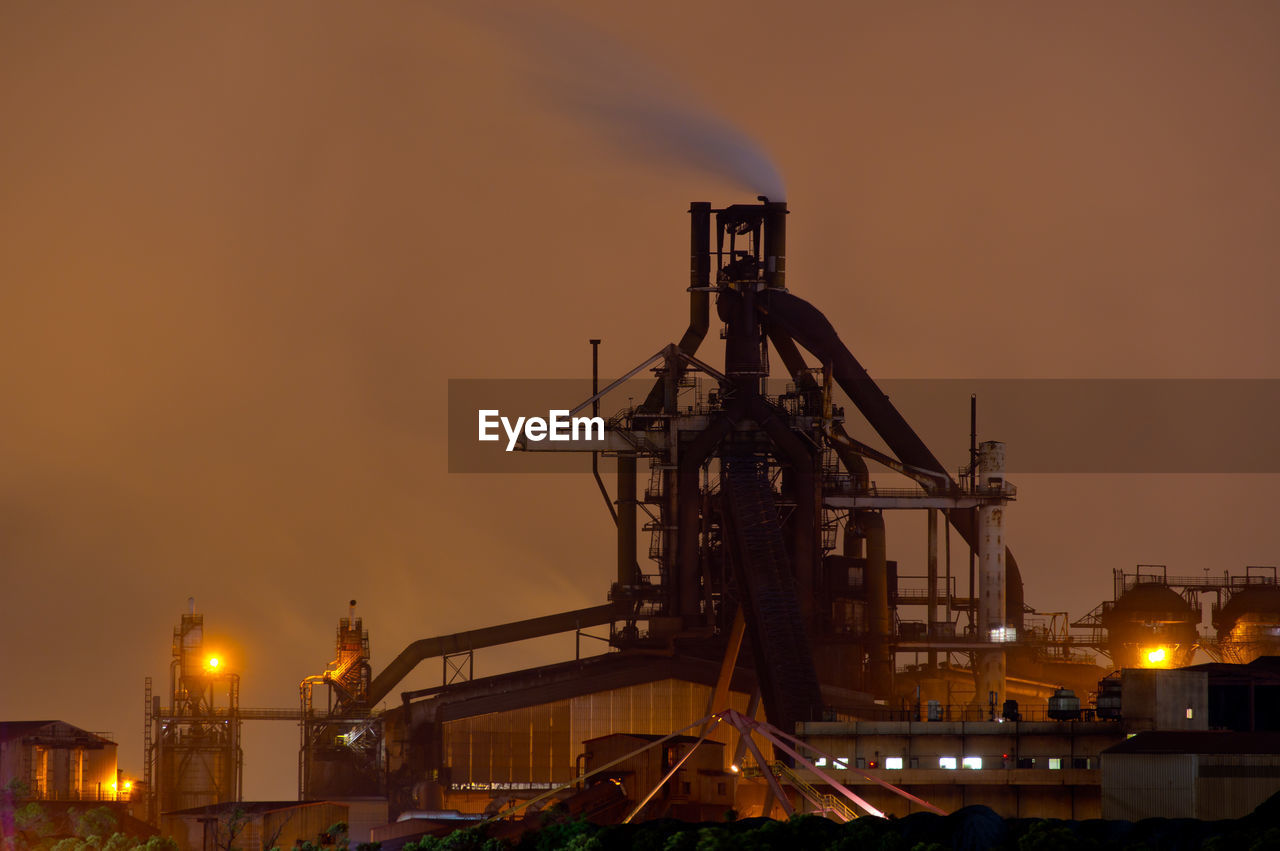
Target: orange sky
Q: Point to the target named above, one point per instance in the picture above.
(243, 246)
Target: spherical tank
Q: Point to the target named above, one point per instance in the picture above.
(1248, 625)
(1151, 626)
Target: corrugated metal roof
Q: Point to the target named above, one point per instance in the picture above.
(14, 729)
(250, 807)
(10, 730)
(1198, 742)
(1264, 669)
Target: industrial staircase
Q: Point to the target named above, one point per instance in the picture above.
(821, 802)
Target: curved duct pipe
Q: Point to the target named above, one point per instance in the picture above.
(803, 322)
(807, 326)
(794, 362)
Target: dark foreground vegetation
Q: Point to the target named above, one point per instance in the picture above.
(972, 829)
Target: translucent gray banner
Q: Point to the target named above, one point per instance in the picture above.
(1048, 425)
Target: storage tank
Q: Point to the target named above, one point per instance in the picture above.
(1248, 626)
(1151, 626)
(197, 770)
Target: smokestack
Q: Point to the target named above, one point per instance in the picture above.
(700, 244)
(775, 244)
(991, 578)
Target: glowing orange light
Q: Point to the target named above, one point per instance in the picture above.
(213, 663)
(1155, 657)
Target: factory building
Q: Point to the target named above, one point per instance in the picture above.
(1203, 775)
(1042, 769)
(1244, 698)
(520, 734)
(254, 825)
(55, 761)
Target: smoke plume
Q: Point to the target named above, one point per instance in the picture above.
(639, 108)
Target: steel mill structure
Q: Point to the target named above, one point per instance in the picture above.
(765, 528)
(764, 586)
(192, 743)
(341, 753)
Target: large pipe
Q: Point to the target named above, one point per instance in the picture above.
(742, 345)
(429, 648)
(699, 276)
(699, 297)
(627, 565)
(854, 463)
(876, 582)
(932, 569)
(808, 327)
(657, 400)
(775, 244)
(595, 412)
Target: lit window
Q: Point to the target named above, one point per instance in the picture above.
(893, 762)
(1191, 713)
(972, 762)
(840, 763)
(1055, 763)
(946, 762)
(820, 761)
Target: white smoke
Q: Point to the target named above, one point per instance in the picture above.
(636, 106)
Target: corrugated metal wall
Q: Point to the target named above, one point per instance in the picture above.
(1202, 786)
(1137, 786)
(304, 822)
(1232, 785)
(281, 828)
(539, 744)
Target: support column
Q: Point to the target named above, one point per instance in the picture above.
(991, 603)
(876, 582)
(627, 520)
(932, 635)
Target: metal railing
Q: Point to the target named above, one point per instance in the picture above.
(960, 712)
(823, 802)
